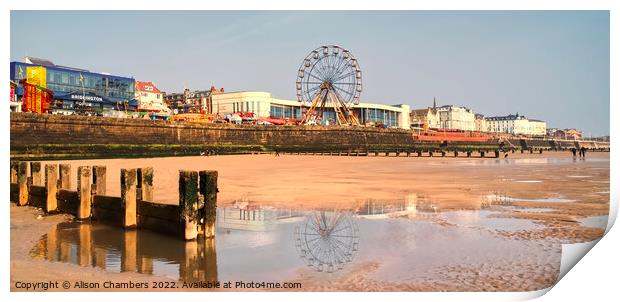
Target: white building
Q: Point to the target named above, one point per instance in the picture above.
(537, 127)
(516, 124)
(263, 105)
(480, 123)
(454, 117)
(149, 97)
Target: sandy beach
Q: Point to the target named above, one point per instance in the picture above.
(512, 213)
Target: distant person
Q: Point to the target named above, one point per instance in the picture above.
(583, 152)
(277, 153)
(574, 151)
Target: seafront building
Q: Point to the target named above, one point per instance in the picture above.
(73, 88)
(191, 101)
(480, 123)
(77, 90)
(149, 97)
(424, 119)
(456, 118)
(516, 124)
(264, 105)
(443, 117)
(572, 133)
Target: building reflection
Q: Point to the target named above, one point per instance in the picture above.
(141, 251)
(410, 206)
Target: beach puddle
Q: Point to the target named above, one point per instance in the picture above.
(483, 220)
(269, 244)
(507, 200)
(595, 221)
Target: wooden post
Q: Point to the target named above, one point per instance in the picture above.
(430, 153)
(65, 176)
(51, 187)
(419, 153)
(481, 153)
(188, 202)
(35, 173)
(208, 189)
(540, 151)
(496, 153)
(468, 153)
(99, 179)
(22, 181)
(84, 192)
(146, 183)
(456, 153)
(129, 197)
(14, 166)
(443, 153)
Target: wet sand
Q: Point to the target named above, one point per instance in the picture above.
(513, 189)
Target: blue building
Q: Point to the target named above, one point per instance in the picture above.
(75, 88)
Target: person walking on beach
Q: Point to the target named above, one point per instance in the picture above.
(574, 150)
(277, 153)
(583, 152)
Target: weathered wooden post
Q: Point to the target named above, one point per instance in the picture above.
(496, 153)
(22, 182)
(188, 202)
(129, 204)
(468, 153)
(65, 176)
(51, 187)
(481, 153)
(419, 153)
(540, 151)
(35, 173)
(14, 165)
(443, 153)
(99, 179)
(208, 189)
(408, 153)
(456, 153)
(145, 175)
(84, 192)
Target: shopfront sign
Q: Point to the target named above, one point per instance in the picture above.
(86, 97)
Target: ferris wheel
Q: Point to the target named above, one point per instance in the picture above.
(327, 241)
(329, 77)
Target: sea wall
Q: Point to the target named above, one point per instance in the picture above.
(55, 136)
(44, 136)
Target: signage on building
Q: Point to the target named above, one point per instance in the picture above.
(83, 97)
(148, 88)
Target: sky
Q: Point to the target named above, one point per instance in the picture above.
(548, 65)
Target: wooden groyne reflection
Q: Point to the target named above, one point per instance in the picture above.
(141, 251)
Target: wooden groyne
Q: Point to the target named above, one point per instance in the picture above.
(193, 217)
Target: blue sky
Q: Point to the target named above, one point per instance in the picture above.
(551, 65)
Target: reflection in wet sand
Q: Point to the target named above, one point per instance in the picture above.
(142, 251)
